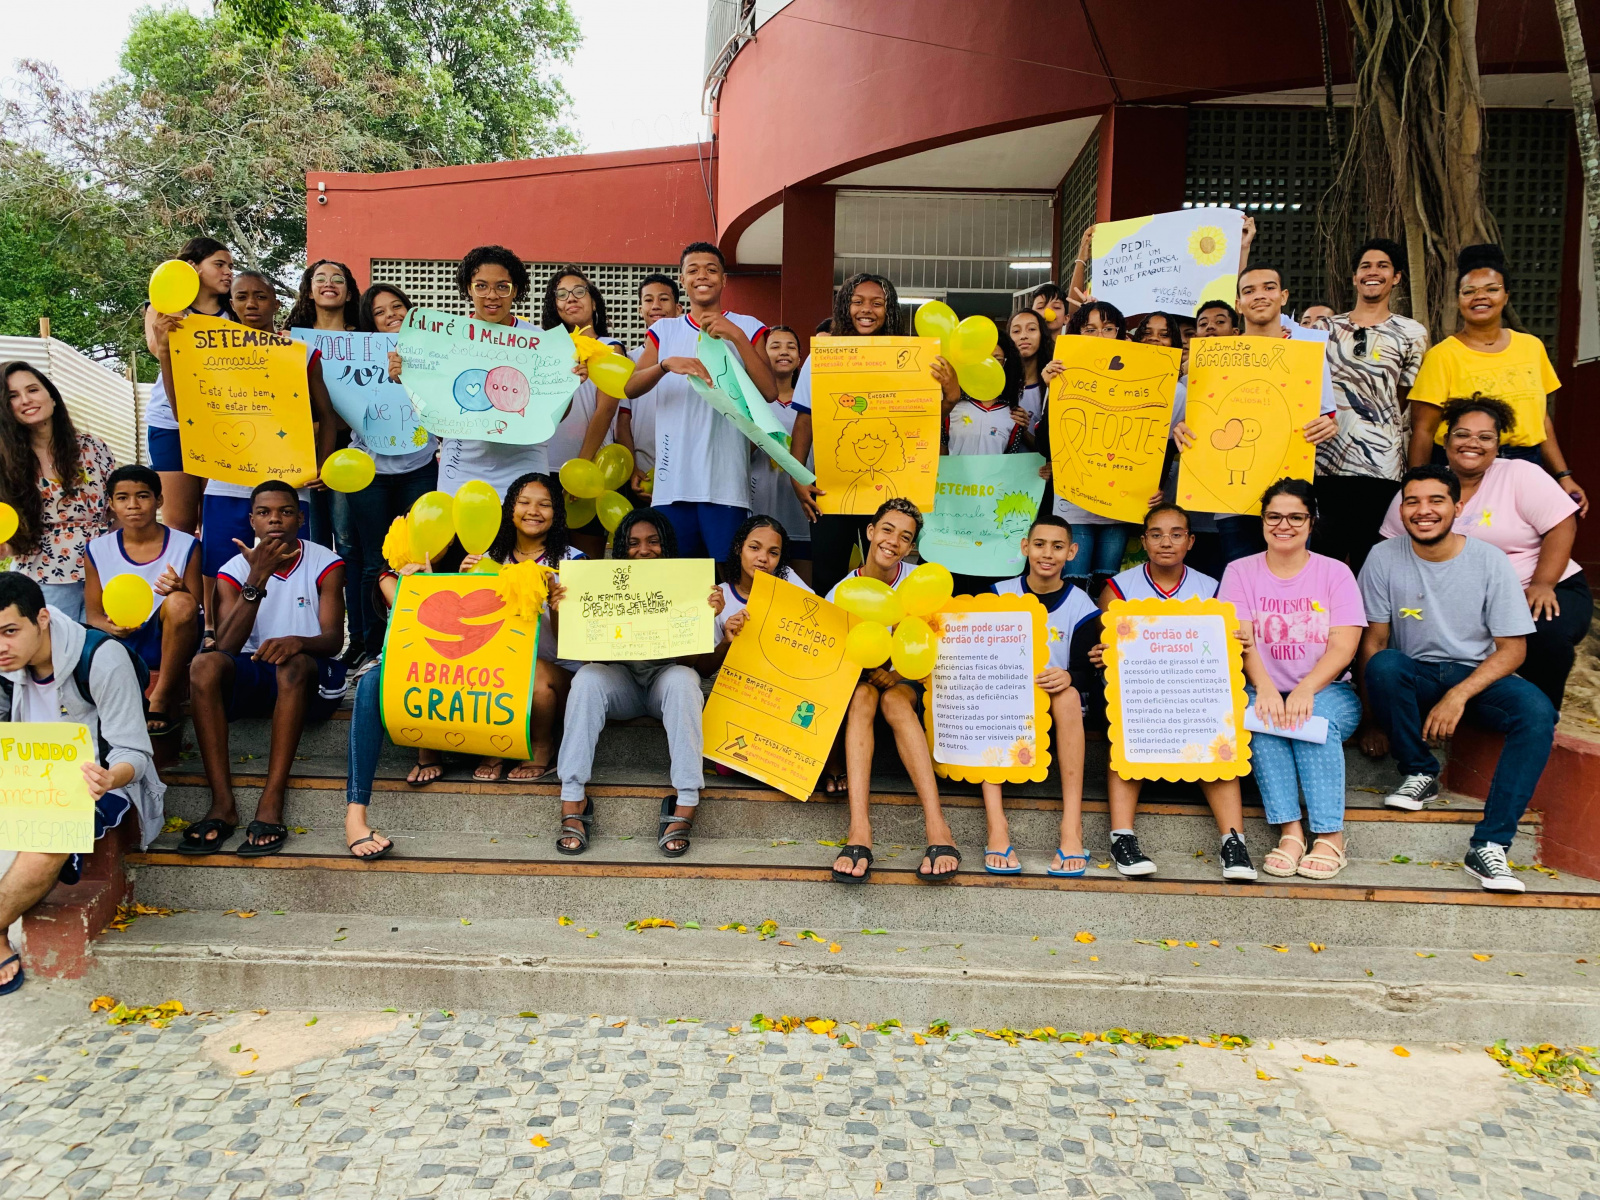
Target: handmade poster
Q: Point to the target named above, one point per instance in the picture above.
(45, 806)
(735, 397)
(242, 402)
(1170, 262)
(458, 667)
(491, 383)
(983, 506)
(1175, 690)
(1110, 414)
(875, 421)
(355, 368)
(783, 689)
(623, 609)
(1248, 399)
(986, 719)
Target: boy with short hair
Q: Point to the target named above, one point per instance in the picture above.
(168, 561)
(659, 299)
(280, 625)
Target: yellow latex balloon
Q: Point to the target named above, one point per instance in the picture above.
(982, 380)
(972, 342)
(485, 566)
(868, 644)
(913, 649)
(174, 285)
(580, 511)
(927, 589)
(1049, 314)
(476, 514)
(647, 485)
(348, 470)
(128, 600)
(616, 465)
(935, 319)
(582, 478)
(611, 507)
(610, 372)
(432, 524)
(8, 521)
(869, 599)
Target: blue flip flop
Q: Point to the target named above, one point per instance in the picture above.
(1064, 859)
(16, 980)
(1006, 853)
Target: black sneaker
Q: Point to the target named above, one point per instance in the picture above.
(1236, 862)
(1414, 791)
(1487, 864)
(1130, 860)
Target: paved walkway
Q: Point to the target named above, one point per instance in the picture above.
(390, 1105)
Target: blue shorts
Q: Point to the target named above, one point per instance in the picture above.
(146, 640)
(166, 452)
(109, 812)
(255, 688)
(223, 518)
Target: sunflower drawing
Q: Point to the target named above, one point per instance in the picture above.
(1127, 627)
(1194, 752)
(1022, 752)
(1207, 245)
(1223, 749)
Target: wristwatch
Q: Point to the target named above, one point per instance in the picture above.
(252, 595)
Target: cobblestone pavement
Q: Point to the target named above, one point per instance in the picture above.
(590, 1107)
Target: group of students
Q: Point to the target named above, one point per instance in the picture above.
(1472, 606)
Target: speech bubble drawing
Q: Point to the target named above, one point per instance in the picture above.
(507, 388)
(470, 391)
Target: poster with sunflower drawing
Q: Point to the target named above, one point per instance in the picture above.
(987, 720)
(1175, 690)
(1168, 262)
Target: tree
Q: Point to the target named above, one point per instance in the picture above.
(1583, 116)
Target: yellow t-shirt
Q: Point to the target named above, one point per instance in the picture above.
(1520, 375)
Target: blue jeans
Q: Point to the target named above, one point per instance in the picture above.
(68, 597)
(703, 530)
(1402, 691)
(1286, 769)
(371, 511)
(366, 737)
(1100, 550)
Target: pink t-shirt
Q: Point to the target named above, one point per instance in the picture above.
(1291, 617)
(1514, 507)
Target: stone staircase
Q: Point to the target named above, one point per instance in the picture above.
(472, 908)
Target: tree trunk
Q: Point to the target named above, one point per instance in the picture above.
(1583, 118)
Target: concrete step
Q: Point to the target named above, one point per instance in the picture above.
(327, 959)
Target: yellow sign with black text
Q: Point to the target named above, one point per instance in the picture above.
(45, 806)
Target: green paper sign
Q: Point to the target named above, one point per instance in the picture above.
(736, 397)
(983, 506)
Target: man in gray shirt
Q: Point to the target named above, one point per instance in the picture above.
(1447, 629)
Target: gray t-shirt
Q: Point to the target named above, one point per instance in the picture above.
(1447, 611)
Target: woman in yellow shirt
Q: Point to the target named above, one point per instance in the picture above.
(1485, 357)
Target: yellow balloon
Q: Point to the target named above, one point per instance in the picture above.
(174, 286)
(616, 465)
(580, 511)
(348, 470)
(476, 515)
(914, 649)
(611, 507)
(485, 566)
(582, 478)
(867, 644)
(982, 380)
(128, 601)
(935, 319)
(610, 373)
(973, 341)
(432, 524)
(8, 521)
(927, 589)
(869, 599)
(647, 485)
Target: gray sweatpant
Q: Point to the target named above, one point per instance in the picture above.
(602, 691)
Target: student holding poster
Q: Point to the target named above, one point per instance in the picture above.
(761, 546)
(1036, 346)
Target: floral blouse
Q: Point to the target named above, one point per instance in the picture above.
(69, 522)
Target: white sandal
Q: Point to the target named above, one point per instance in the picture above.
(1279, 871)
(1336, 860)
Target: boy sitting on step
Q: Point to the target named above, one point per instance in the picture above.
(280, 625)
(164, 558)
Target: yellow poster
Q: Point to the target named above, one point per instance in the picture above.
(620, 609)
(458, 667)
(783, 689)
(875, 421)
(243, 406)
(1175, 690)
(1110, 414)
(986, 719)
(1249, 397)
(45, 806)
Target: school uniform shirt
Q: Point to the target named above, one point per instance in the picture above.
(547, 632)
(215, 487)
(973, 427)
(771, 493)
(900, 574)
(292, 605)
(110, 558)
(1032, 402)
(397, 464)
(496, 463)
(567, 440)
(733, 602)
(701, 457)
(1065, 611)
(1136, 583)
(643, 422)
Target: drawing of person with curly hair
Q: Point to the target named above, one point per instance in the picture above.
(871, 449)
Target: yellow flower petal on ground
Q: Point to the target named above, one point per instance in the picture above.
(1402, 1052)
(1084, 936)
(539, 1140)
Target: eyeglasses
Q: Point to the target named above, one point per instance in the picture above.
(1295, 520)
(1166, 539)
(1488, 289)
(1462, 436)
(484, 288)
(572, 293)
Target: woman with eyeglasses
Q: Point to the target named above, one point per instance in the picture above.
(1306, 615)
(1514, 504)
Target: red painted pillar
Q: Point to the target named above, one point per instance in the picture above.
(807, 287)
(1143, 158)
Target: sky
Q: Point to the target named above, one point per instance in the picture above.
(635, 82)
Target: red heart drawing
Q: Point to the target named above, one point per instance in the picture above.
(877, 487)
(1110, 457)
(446, 613)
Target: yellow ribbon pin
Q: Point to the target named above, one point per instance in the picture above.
(1487, 518)
(1411, 612)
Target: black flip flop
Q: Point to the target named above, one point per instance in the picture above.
(17, 980)
(195, 840)
(367, 857)
(168, 725)
(835, 783)
(410, 782)
(933, 855)
(855, 854)
(277, 835)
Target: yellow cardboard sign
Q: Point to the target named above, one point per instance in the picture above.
(624, 609)
(458, 667)
(986, 719)
(875, 421)
(45, 806)
(242, 402)
(1175, 690)
(1248, 398)
(783, 690)
(1110, 414)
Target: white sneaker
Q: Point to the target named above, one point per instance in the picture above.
(1487, 864)
(1413, 792)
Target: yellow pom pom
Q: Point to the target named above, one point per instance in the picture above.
(525, 587)
(587, 347)
(397, 544)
